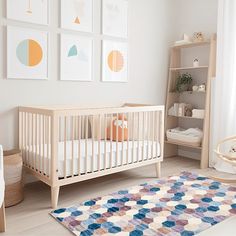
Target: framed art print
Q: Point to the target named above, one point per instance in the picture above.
(76, 58)
(114, 61)
(77, 15)
(115, 18)
(27, 54)
(32, 11)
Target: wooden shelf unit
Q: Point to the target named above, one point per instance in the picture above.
(189, 68)
(171, 147)
(192, 44)
(183, 145)
(186, 117)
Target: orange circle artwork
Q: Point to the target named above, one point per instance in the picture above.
(115, 61)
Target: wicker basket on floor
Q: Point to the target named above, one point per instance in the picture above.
(228, 157)
(13, 177)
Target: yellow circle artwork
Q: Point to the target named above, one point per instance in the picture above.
(115, 61)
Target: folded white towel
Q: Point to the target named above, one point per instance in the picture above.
(193, 132)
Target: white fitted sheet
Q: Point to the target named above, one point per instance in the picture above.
(89, 162)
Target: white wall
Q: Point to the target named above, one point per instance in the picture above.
(150, 34)
(153, 25)
(196, 15)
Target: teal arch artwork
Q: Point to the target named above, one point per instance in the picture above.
(73, 51)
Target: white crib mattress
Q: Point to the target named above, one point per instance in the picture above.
(88, 162)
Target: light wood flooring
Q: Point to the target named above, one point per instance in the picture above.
(31, 217)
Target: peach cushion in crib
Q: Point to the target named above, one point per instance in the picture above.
(120, 135)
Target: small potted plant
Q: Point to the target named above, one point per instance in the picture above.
(183, 82)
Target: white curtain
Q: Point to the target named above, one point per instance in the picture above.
(224, 86)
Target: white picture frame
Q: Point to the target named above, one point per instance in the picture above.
(77, 15)
(32, 11)
(115, 18)
(27, 53)
(76, 56)
(114, 61)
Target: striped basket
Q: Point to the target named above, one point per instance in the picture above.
(13, 177)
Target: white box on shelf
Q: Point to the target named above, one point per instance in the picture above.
(198, 113)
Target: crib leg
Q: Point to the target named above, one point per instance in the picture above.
(158, 169)
(54, 196)
(2, 219)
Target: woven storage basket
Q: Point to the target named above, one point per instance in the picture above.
(13, 177)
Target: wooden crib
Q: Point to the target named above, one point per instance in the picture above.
(62, 146)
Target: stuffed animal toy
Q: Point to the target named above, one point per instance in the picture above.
(118, 124)
(198, 37)
(233, 150)
(188, 110)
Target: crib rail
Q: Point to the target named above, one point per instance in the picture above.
(71, 145)
(35, 142)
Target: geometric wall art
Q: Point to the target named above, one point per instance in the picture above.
(76, 58)
(27, 54)
(77, 15)
(115, 61)
(33, 11)
(115, 18)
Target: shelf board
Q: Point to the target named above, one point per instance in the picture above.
(188, 92)
(191, 44)
(188, 68)
(183, 145)
(187, 117)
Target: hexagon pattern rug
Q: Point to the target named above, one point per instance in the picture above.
(178, 205)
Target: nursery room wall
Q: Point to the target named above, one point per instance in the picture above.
(193, 16)
(148, 63)
(160, 23)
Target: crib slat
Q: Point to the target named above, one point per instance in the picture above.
(127, 150)
(65, 142)
(48, 144)
(37, 143)
(123, 130)
(93, 130)
(40, 142)
(138, 148)
(43, 156)
(143, 135)
(27, 131)
(86, 144)
(133, 125)
(79, 145)
(72, 145)
(21, 122)
(111, 138)
(33, 141)
(157, 132)
(99, 141)
(117, 147)
(148, 134)
(153, 130)
(24, 137)
(20, 136)
(105, 141)
(161, 130)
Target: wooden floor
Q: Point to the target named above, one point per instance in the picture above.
(31, 217)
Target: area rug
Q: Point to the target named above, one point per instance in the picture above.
(178, 205)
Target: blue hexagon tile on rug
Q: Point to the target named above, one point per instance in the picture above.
(178, 205)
